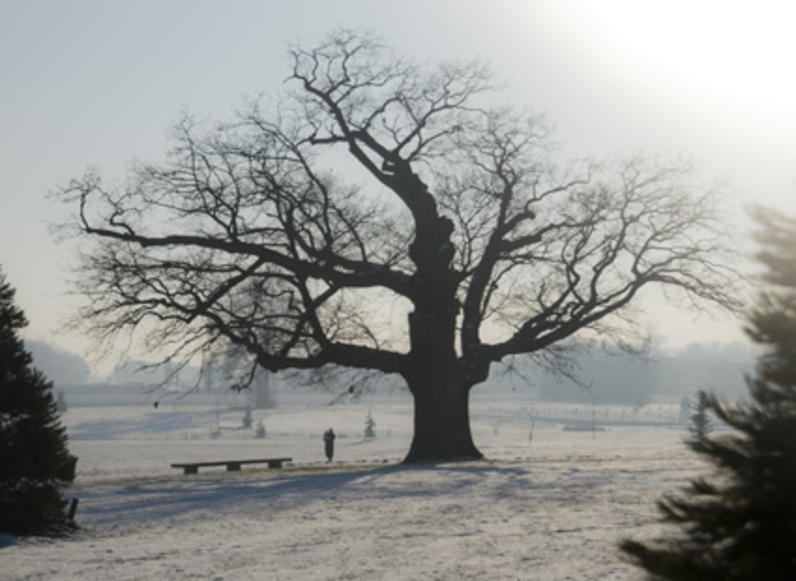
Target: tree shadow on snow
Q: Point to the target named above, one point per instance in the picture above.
(254, 493)
(186, 497)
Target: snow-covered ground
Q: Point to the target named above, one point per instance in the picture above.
(548, 507)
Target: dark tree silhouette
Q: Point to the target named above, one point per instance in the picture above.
(741, 524)
(383, 217)
(34, 462)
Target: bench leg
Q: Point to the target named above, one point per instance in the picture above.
(232, 466)
(190, 470)
(275, 464)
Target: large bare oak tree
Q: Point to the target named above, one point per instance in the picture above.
(385, 217)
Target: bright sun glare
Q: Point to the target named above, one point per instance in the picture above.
(731, 58)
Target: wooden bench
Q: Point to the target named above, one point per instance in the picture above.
(193, 467)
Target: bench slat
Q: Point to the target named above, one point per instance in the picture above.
(232, 465)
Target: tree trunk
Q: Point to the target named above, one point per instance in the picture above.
(437, 377)
(442, 422)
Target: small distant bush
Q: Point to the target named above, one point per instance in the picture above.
(60, 403)
(259, 432)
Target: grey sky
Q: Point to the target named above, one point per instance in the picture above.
(99, 82)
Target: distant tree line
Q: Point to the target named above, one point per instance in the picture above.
(608, 375)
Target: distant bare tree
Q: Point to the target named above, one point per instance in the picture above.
(388, 218)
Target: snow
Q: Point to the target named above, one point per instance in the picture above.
(550, 507)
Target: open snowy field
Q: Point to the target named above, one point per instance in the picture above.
(547, 507)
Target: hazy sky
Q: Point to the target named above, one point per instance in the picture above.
(98, 83)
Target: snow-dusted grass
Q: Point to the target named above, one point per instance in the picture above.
(550, 508)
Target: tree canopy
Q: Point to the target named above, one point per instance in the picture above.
(385, 216)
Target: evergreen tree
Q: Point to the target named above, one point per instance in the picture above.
(741, 523)
(370, 427)
(685, 410)
(34, 462)
(701, 425)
